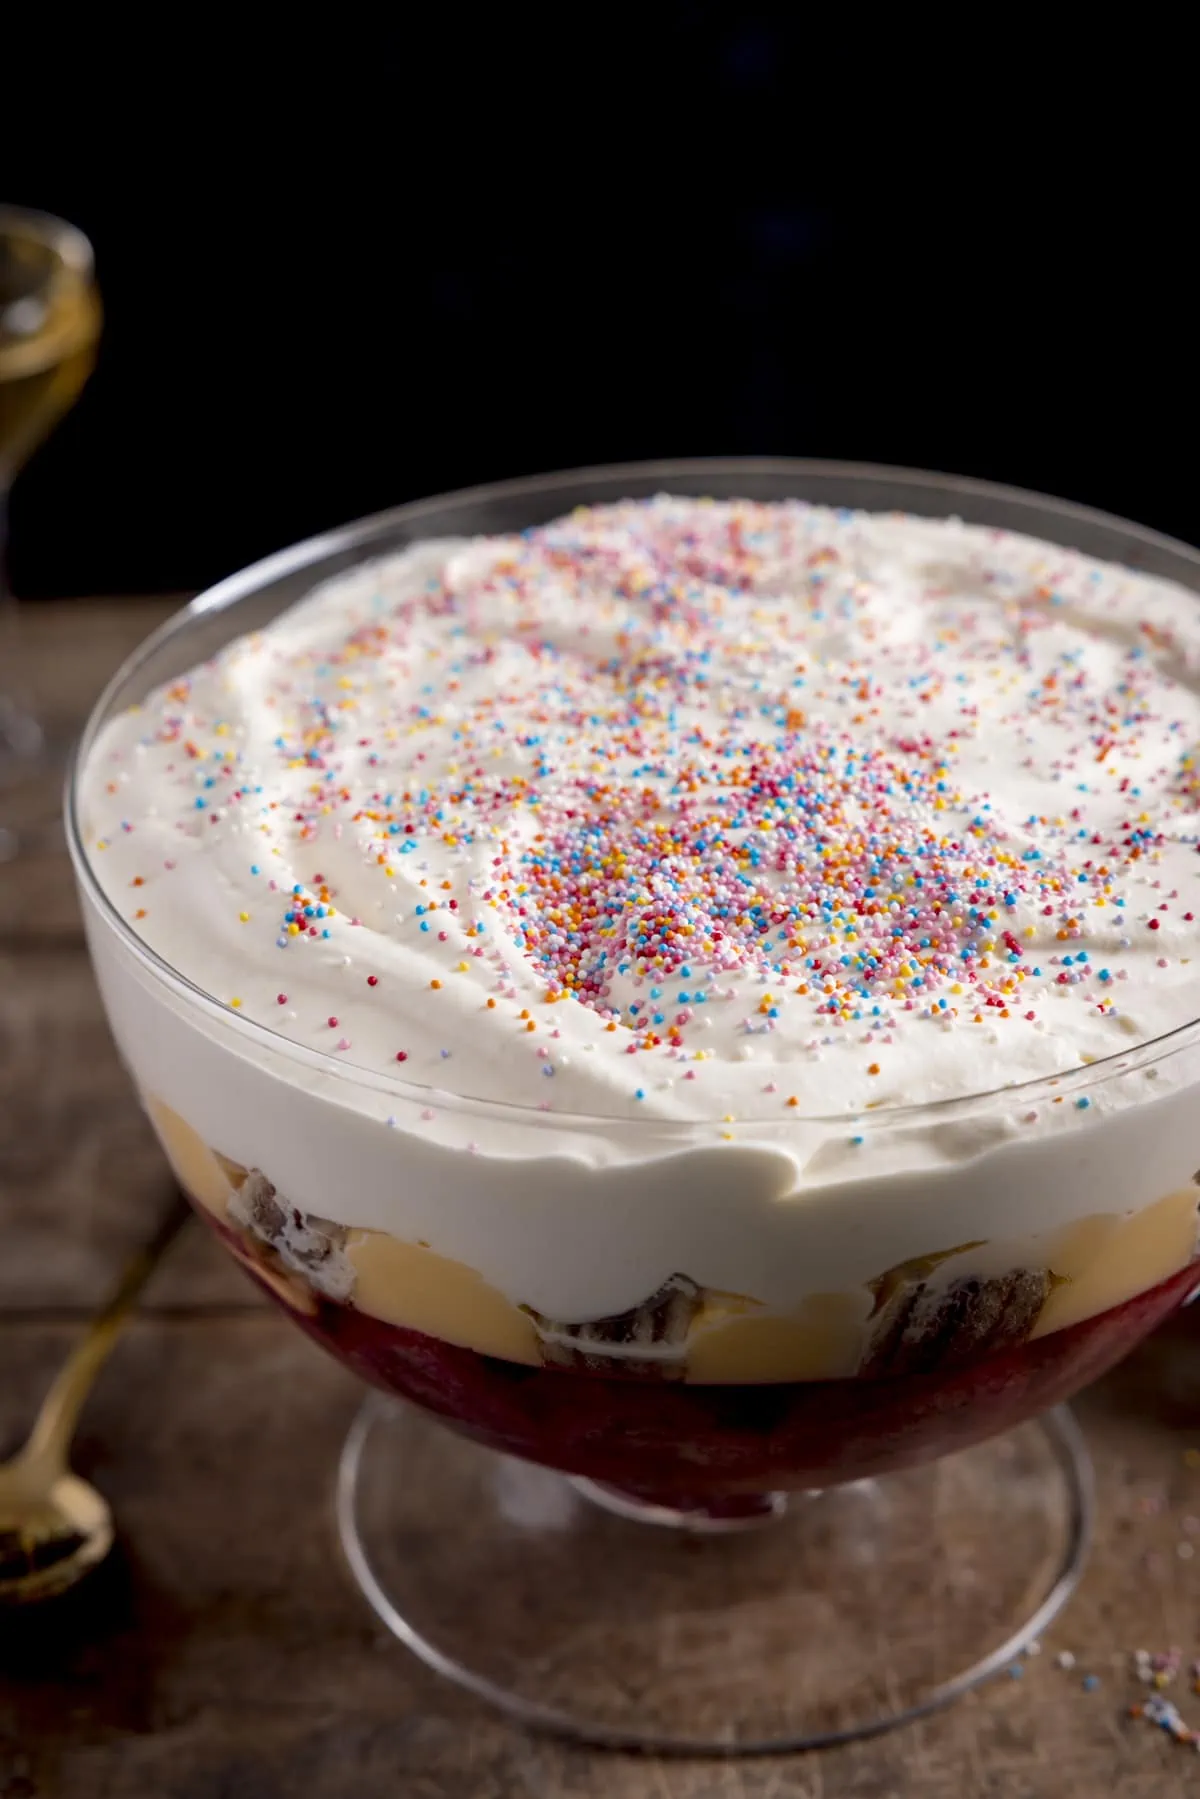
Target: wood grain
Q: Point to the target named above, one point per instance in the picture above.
(225, 1654)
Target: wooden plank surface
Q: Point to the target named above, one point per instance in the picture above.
(225, 1653)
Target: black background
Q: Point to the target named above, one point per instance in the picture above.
(344, 266)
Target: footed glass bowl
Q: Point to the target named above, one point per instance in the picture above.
(693, 1522)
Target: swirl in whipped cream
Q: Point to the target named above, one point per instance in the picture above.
(715, 811)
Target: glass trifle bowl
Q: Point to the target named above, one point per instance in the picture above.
(681, 973)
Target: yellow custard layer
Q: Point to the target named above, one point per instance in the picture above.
(1094, 1264)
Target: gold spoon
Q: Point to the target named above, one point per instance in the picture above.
(54, 1527)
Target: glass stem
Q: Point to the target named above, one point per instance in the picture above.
(20, 733)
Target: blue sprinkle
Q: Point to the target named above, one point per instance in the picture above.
(1082, 1104)
(640, 1094)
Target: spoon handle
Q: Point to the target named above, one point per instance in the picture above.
(55, 1424)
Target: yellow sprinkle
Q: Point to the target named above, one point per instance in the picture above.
(245, 917)
(235, 1002)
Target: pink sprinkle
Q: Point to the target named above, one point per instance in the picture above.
(332, 1022)
(372, 980)
(281, 999)
(342, 1043)
(427, 1114)
(402, 1055)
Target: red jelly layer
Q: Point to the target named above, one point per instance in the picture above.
(669, 1440)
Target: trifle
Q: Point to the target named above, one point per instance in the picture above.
(696, 988)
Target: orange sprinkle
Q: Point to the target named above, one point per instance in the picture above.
(874, 1068)
(435, 983)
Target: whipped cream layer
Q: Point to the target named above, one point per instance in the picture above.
(728, 815)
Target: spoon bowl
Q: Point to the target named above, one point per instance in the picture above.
(49, 1538)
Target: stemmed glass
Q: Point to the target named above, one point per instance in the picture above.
(49, 330)
(763, 1548)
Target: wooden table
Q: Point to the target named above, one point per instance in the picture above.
(225, 1652)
